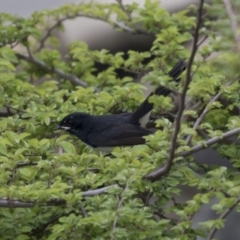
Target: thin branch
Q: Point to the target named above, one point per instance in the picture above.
(6, 114)
(10, 203)
(233, 21)
(202, 40)
(73, 79)
(91, 193)
(41, 229)
(173, 145)
(120, 203)
(128, 29)
(210, 142)
(84, 213)
(49, 32)
(28, 51)
(15, 203)
(203, 133)
(205, 111)
(221, 217)
(49, 182)
(154, 175)
(26, 164)
(120, 2)
(147, 199)
(114, 23)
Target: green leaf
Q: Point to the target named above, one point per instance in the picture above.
(3, 149)
(23, 135)
(68, 147)
(7, 64)
(22, 237)
(47, 120)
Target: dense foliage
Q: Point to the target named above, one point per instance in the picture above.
(47, 178)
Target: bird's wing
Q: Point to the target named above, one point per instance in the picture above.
(121, 135)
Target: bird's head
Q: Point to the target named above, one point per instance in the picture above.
(72, 123)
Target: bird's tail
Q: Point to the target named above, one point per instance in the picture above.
(142, 114)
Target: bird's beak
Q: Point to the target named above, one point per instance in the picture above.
(61, 127)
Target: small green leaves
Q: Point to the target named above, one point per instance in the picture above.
(6, 65)
(68, 147)
(28, 173)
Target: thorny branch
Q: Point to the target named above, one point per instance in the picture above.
(173, 145)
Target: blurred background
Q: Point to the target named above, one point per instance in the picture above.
(99, 35)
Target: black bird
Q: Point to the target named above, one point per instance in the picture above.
(105, 132)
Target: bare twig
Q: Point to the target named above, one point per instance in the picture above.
(49, 32)
(28, 51)
(147, 199)
(154, 175)
(60, 151)
(49, 182)
(73, 79)
(41, 229)
(26, 164)
(120, 2)
(6, 114)
(129, 29)
(15, 203)
(91, 193)
(116, 217)
(233, 22)
(61, 20)
(222, 216)
(114, 23)
(204, 112)
(84, 213)
(202, 40)
(10, 203)
(210, 142)
(173, 145)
